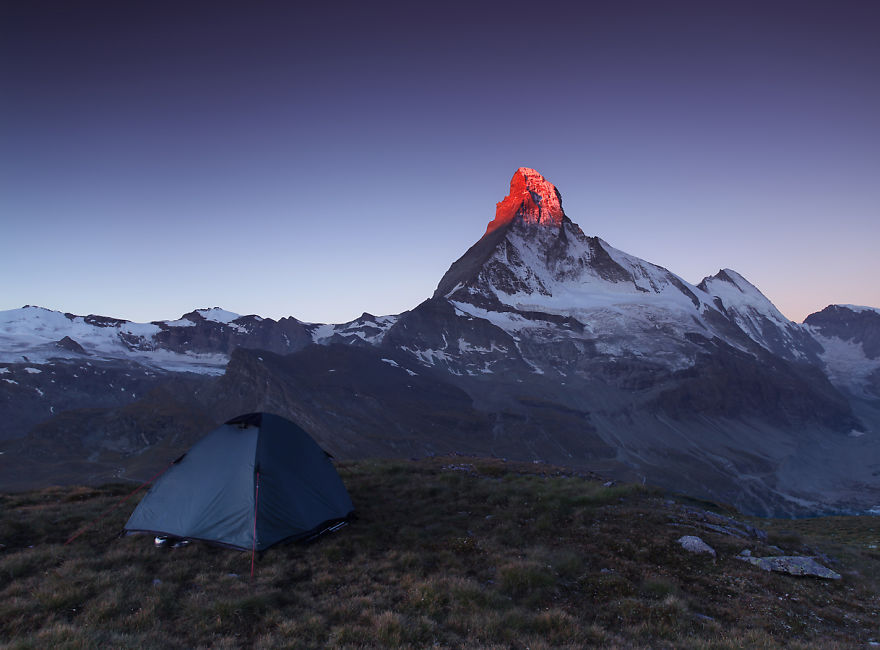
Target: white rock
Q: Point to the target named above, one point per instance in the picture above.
(694, 544)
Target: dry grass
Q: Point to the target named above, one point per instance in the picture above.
(446, 552)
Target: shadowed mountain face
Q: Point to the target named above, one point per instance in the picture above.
(540, 342)
(857, 325)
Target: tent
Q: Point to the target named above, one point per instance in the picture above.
(251, 483)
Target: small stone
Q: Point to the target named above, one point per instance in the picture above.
(694, 544)
(745, 553)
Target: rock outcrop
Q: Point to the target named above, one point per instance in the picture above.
(795, 565)
(693, 544)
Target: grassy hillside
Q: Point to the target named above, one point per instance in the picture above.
(447, 552)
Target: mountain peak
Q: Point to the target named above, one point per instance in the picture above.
(532, 198)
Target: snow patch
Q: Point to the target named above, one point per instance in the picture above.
(846, 363)
(392, 362)
(321, 333)
(860, 308)
(430, 357)
(144, 330)
(33, 371)
(183, 322)
(217, 315)
(464, 346)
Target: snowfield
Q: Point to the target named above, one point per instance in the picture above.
(30, 335)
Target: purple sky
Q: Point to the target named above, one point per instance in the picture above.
(321, 161)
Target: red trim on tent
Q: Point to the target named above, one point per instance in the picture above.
(256, 504)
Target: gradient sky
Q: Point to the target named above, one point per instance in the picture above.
(324, 159)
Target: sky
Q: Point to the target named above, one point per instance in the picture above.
(321, 160)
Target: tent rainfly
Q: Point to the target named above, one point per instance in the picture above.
(251, 483)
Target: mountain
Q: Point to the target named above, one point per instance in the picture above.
(849, 336)
(535, 266)
(540, 342)
(51, 362)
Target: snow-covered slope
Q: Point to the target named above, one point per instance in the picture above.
(34, 334)
(199, 341)
(741, 298)
(759, 318)
(365, 330)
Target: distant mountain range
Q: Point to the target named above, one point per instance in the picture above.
(539, 343)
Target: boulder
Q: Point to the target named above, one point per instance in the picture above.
(694, 544)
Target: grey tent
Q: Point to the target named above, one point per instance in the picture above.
(251, 483)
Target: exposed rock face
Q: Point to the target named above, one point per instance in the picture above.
(711, 521)
(70, 345)
(532, 200)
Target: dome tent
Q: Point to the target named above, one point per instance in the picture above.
(251, 483)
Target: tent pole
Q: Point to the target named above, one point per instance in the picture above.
(256, 505)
